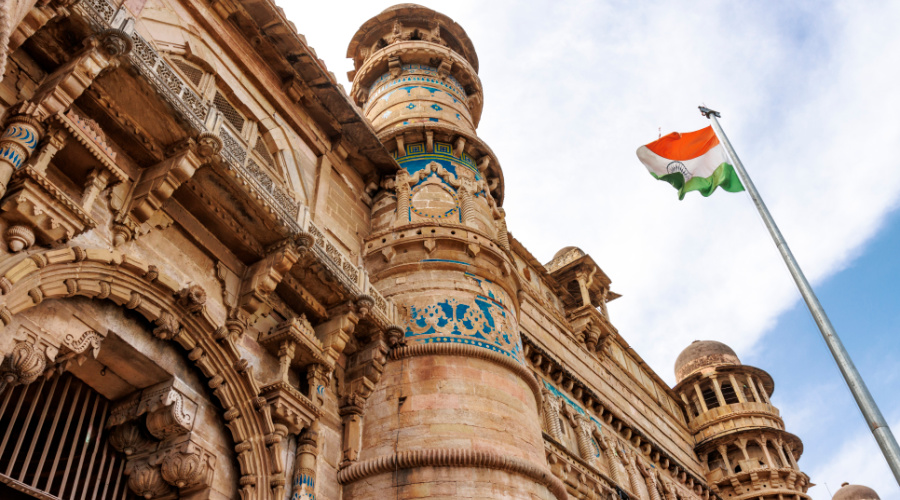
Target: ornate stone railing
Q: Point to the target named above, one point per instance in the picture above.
(734, 416)
(236, 160)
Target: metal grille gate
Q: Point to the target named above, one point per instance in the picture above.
(53, 443)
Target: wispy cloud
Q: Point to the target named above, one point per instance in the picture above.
(857, 461)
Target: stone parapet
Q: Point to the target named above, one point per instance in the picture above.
(731, 418)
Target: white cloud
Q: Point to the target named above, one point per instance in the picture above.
(808, 96)
(857, 461)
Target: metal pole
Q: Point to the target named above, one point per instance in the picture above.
(864, 400)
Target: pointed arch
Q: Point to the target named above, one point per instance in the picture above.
(179, 314)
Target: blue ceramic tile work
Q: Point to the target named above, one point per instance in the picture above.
(483, 322)
(420, 74)
(302, 493)
(21, 134)
(416, 158)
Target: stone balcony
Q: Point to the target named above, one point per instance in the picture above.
(759, 482)
(729, 418)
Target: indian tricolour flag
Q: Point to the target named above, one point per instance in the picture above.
(693, 161)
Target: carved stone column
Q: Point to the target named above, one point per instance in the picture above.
(723, 451)
(317, 377)
(502, 232)
(628, 460)
(552, 405)
(609, 449)
(719, 396)
(652, 482)
(467, 210)
(304, 483)
(738, 390)
(604, 293)
(763, 443)
(584, 428)
(18, 142)
(401, 184)
(753, 388)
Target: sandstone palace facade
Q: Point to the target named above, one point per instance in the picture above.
(223, 276)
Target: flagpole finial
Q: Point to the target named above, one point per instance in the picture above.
(709, 112)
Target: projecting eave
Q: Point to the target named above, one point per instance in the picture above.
(287, 54)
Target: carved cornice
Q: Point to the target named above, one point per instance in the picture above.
(469, 351)
(453, 458)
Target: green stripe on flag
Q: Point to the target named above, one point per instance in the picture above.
(724, 176)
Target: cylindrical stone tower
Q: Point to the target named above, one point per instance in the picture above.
(456, 413)
(738, 434)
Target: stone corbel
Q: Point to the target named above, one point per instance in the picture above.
(76, 350)
(263, 277)
(445, 67)
(502, 233)
(35, 19)
(351, 412)
(146, 480)
(335, 333)
(188, 465)
(157, 184)
(169, 411)
(395, 66)
(22, 366)
(365, 368)
(305, 464)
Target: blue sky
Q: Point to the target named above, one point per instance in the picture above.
(861, 302)
(808, 93)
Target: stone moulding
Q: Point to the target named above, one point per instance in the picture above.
(453, 457)
(470, 351)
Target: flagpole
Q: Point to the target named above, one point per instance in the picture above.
(864, 400)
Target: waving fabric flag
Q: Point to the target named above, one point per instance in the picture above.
(693, 161)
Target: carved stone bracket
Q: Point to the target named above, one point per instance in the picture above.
(169, 412)
(263, 277)
(335, 333)
(37, 210)
(23, 365)
(186, 465)
(163, 454)
(158, 183)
